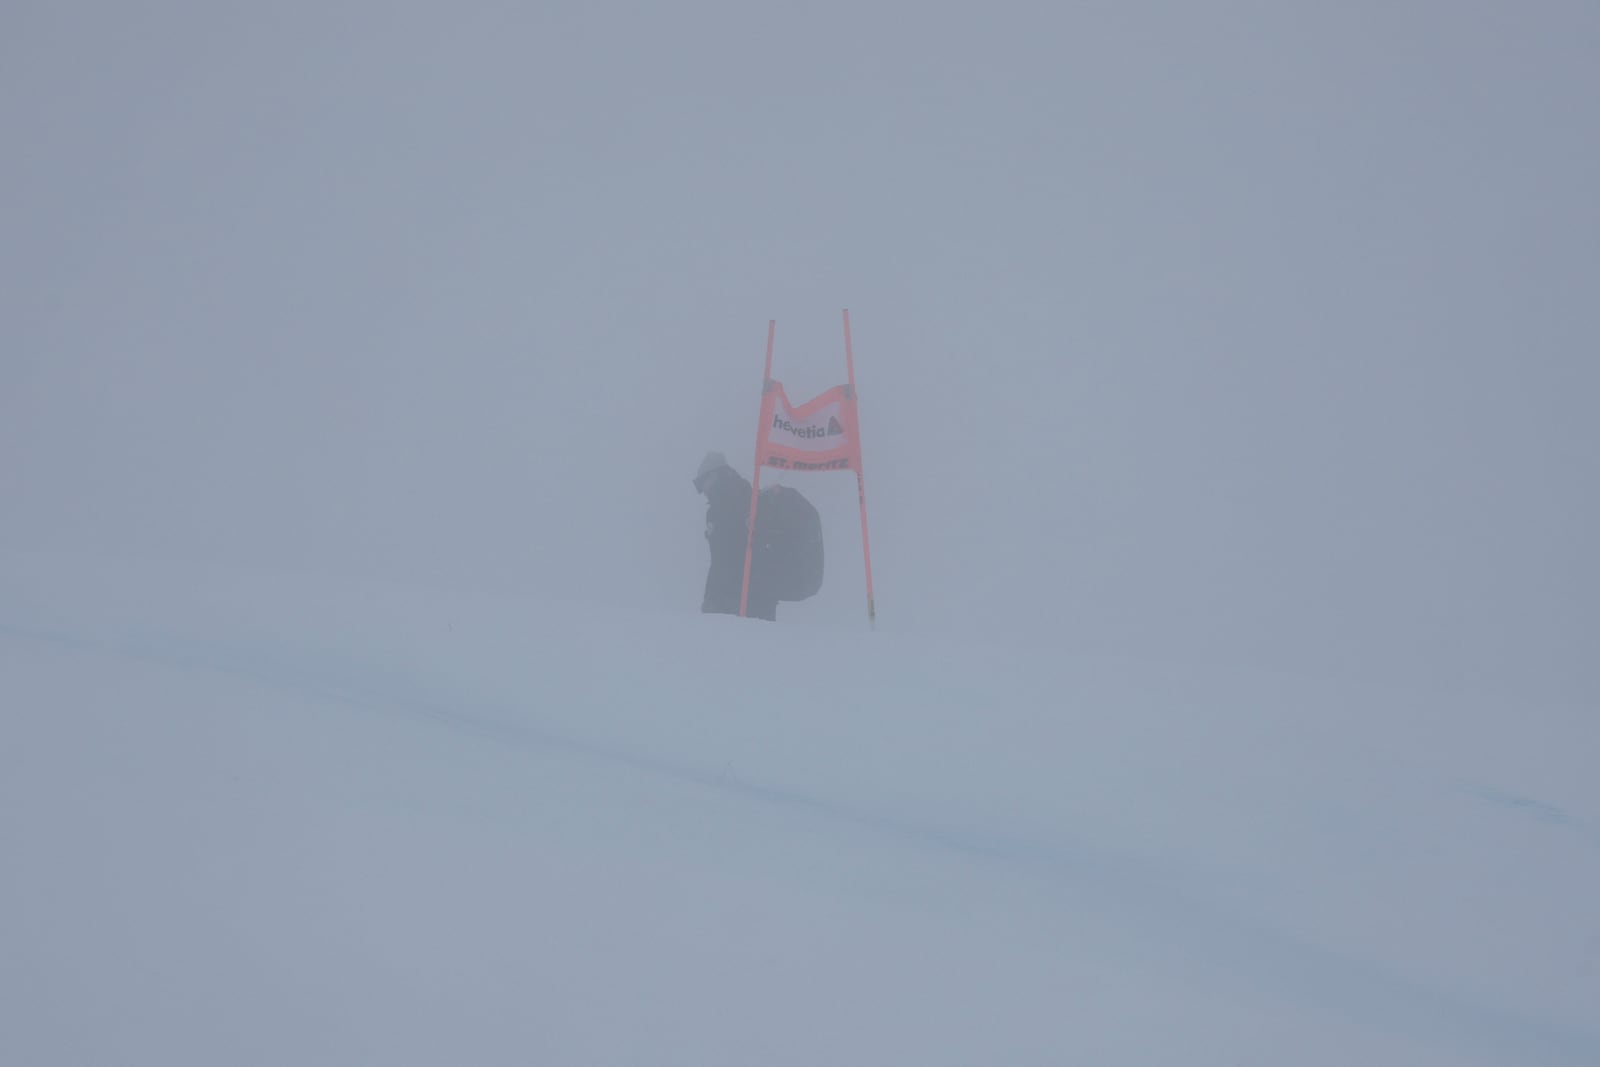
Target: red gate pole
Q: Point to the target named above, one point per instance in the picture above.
(861, 479)
(755, 474)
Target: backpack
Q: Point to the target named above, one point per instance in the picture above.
(788, 539)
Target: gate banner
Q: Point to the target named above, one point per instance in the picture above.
(819, 435)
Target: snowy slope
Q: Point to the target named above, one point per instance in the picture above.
(275, 818)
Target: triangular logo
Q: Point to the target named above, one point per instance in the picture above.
(834, 429)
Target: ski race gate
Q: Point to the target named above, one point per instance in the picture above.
(822, 434)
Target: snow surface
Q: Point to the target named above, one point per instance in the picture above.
(276, 818)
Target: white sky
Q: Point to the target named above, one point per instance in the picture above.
(1257, 331)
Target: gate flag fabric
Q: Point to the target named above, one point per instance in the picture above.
(819, 435)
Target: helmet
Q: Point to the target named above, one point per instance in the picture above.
(713, 462)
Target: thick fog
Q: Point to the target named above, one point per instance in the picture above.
(1257, 332)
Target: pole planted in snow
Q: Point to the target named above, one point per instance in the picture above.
(755, 475)
(861, 480)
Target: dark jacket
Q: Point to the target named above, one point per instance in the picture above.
(727, 526)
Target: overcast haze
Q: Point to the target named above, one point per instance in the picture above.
(1257, 332)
